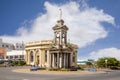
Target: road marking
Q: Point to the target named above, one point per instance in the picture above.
(25, 79)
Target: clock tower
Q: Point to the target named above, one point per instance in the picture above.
(60, 32)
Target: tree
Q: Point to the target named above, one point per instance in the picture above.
(89, 64)
(108, 62)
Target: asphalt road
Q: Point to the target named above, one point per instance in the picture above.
(7, 74)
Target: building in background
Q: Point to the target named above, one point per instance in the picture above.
(15, 55)
(19, 46)
(2, 53)
(7, 46)
(12, 51)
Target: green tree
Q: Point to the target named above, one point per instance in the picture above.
(89, 64)
(108, 62)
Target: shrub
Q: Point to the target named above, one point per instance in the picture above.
(79, 68)
(22, 63)
(17, 63)
(63, 69)
(54, 69)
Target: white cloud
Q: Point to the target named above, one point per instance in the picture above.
(84, 24)
(108, 52)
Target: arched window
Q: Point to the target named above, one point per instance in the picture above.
(31, 56)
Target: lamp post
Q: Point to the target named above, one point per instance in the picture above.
(106, 62)
(22, 50)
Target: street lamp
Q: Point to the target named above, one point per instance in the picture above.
(22, 50)
(106, 62)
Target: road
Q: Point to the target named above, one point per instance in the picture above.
(7, 74)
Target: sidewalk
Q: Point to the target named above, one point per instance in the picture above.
(57, 72)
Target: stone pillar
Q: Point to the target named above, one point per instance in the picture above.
(76, 59)
(64, 60)
(71, 58)
(53, 60)
(60, 38)
(65, 37)
(40, 58)
(28, 56)
(60, 60)
(50, 60)
(34, 59)
(57, 60)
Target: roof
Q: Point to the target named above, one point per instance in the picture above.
(39, 42)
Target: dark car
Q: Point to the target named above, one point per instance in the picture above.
(73, 68)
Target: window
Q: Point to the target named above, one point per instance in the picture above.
(2, 45)
(21, 56)
(11, 57)
(31, 57)
(6, 45)
(7, 57)
(16, 56)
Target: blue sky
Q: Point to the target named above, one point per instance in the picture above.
(96, 23)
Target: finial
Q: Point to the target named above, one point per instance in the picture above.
(60, 13)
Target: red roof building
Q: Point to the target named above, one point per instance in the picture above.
(2, 53)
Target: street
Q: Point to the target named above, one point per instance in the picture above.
(7, 74)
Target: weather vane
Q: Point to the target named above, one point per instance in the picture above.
(60, 13)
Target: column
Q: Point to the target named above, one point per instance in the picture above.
(67, 60)
(40, 58)
(76, 59)
(57, 60)
(50, 60)
(60, 60)
(34, 59)
(71, 56)
(28, 57)
(64, 60)
(53, 60)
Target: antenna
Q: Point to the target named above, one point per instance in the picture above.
(60, 13)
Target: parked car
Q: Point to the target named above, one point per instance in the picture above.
(73, 68)
(34, 68)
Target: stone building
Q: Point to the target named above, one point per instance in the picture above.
(57, 53)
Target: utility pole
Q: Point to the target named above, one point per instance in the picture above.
(22, 50)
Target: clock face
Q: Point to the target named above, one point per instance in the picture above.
(63, 35)
(58, 35)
